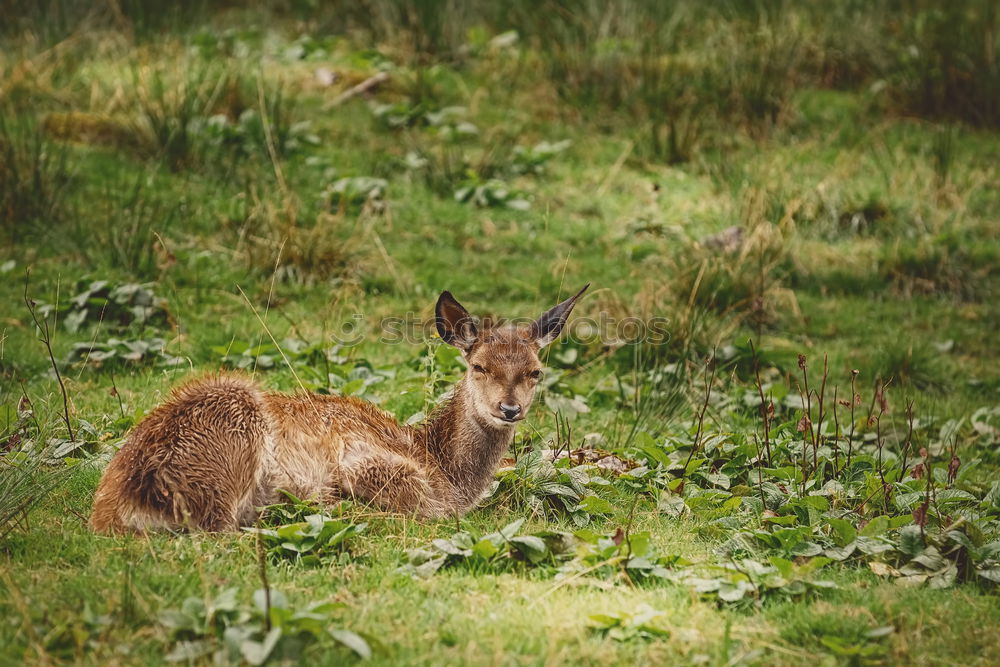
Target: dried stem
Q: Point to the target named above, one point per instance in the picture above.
(836, 436)
(766, 407)
(908, 443)
(819, 421)
(45, 336)
(760, 474)
(855, 399)
(709, 381)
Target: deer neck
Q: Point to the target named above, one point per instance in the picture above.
(466, 450)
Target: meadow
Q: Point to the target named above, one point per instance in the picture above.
(769, 436)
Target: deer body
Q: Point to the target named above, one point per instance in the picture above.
(221, 447)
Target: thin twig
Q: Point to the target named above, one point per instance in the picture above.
(855, 399)
(262, 571)
(45, 336)
(765, 406)
(836, 436)
(361, 88)
(709, 382)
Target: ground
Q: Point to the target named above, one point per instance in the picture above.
(188, 192)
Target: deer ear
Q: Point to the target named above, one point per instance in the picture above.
(454, 324)
(548, 327)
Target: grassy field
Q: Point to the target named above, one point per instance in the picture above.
(803, 469)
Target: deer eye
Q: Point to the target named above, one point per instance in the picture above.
(535, 375)
(478, 369)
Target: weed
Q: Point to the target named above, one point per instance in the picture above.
(309, 540)
(118, 352)
(271, 629)
(642, 623)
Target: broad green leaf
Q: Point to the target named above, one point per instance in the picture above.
(485, 549)
(257, 653)
(532, 547)
(596, 505)
(806, 548)
(841, 553)
(353, 641)
(189, 651)
(843, 531)
(876, 526)
(785, 566)
(511, 528)
(911, 542)
(639, 543)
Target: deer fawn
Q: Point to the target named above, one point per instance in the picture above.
(220, 447)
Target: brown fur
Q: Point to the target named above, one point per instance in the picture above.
(219, 447)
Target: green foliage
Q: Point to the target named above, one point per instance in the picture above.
(642, 623)
(25, 482)
(309, 540)
(736, 169)
(271, 629)
(34, 177)
(749, 581)
(115, 307)
(497, 551)
(298, 531)
(493, 192)
(180, 125)
(323, 368)
(123, 353)
(546, 487)
(27, 477)
(354, 192)
(630, 556)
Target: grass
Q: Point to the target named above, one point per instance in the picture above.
(194, 159)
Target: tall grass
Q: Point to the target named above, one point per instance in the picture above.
(672, 69)
(34, 177)
(24, 483)
(55, 20)
(945, 60)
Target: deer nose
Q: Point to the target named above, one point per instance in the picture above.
(510, 411)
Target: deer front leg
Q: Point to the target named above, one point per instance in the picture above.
(391, 482)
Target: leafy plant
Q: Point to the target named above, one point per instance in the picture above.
(114, 306)
(629, 556)
(354, 192)
(323, 368)
(247, 135)
(271, 629)
(748, 581)
(490, 193)
(533, 159)
(117, 352)
(492, 552)
(309, 540)
(30, 470)
(448, 123)
(643, 622)
(545, 486)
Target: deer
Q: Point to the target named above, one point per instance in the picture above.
(220, 447)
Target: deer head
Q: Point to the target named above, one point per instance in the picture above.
(503, 365)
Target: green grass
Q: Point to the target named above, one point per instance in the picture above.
(195, 154)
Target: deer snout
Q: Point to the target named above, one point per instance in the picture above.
(510, 411)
